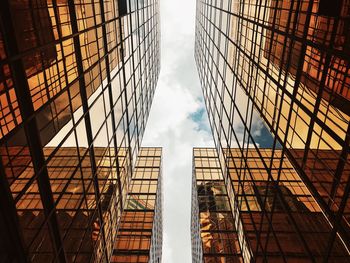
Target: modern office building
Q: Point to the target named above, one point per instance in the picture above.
(77, 80)
(281, 68)
(140, 237)
(131, 233)
(213, 233)
(277, 223)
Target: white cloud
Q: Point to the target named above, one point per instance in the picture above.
(170, 125)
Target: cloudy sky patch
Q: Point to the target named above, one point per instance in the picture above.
(177, 122)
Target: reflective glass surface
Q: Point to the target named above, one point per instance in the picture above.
(274, 75)
(77, 79)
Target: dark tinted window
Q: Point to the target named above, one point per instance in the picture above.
(123, 10)
(329, 8)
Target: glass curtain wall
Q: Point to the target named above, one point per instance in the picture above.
(280, 68)
(214, 235)
(77, 79)
(140, 233)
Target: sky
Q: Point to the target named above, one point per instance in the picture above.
(177, 122)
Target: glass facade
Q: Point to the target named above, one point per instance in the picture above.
(277, 222)
(281, 68)
(214, 236)
(127, 217)
(139, 238)
(77, 79)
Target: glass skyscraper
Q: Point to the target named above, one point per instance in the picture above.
(140, 235)
(271, 219)
(77, 79)
(281, 68)
(213, 232)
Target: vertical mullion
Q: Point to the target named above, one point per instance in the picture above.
(86, 113)
(32, 131)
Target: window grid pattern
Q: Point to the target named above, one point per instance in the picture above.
(76, 85)
(214, 236)
(139, 237)
(285, 63)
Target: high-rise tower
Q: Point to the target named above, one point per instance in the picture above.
(248, 218)
(213, 232)
(77, 80)
(140, 237)
(282, 65)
